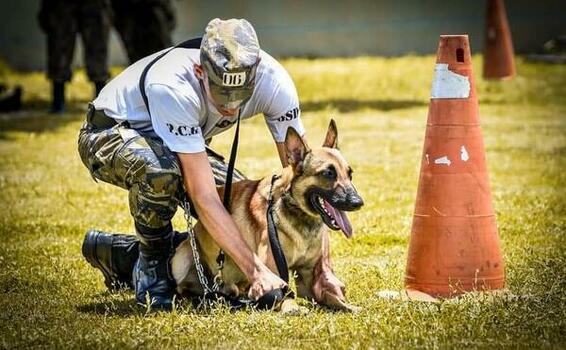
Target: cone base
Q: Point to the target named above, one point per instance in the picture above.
(457, 286)
(419, 296)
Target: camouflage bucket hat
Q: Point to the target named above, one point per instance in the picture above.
(229, 54)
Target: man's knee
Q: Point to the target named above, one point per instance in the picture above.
(163, 182)
(155, 196)
(152, 210)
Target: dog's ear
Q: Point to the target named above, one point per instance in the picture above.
(331, 139)
(296, 149)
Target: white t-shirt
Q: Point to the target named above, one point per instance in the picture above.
(181, 115)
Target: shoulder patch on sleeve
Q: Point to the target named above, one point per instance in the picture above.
(289, 115)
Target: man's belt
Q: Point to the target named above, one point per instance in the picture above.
(98, 119)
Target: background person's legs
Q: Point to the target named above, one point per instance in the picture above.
(125, 25)
(61, 29)
(94, 26)
(156, 33)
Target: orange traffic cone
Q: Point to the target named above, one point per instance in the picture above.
(454, 244)
(498, 56)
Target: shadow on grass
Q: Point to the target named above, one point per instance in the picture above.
(127, 307)
(123, 308)
(350, 105)
(38, 120)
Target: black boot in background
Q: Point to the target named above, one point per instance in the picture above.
(58, 95)
(98, 86)
(10, 99)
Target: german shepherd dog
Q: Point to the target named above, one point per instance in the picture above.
(310, 196)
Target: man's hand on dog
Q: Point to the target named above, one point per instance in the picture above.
(263, 282)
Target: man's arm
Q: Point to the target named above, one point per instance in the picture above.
(199, 182)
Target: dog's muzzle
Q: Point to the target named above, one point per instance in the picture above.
(332, 205)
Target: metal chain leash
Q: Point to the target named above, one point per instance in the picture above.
(196, 256)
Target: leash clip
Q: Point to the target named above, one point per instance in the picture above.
(217, 281)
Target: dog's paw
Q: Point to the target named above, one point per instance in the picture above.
(289, 307)
(351, 308)
(334, 302)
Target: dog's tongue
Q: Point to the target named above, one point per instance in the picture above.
(341, 219)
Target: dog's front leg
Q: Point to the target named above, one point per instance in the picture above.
(184, 271)
(303, 282)
(325, 281)
(290, 307)
(321, 284)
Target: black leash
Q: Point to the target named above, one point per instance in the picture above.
(228, 185)
(274, 242)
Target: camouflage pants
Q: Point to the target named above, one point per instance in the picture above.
(145, 167)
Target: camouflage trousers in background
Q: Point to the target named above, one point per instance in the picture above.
(145, 26)
(145, 167)
(62, 21)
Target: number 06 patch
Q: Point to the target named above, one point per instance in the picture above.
(234, 79)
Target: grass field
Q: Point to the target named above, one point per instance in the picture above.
(50, 297)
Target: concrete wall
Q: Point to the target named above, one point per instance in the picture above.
(316, 28)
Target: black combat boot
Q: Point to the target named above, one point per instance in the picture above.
(58, 94)
(152, 278)
(114, 255)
